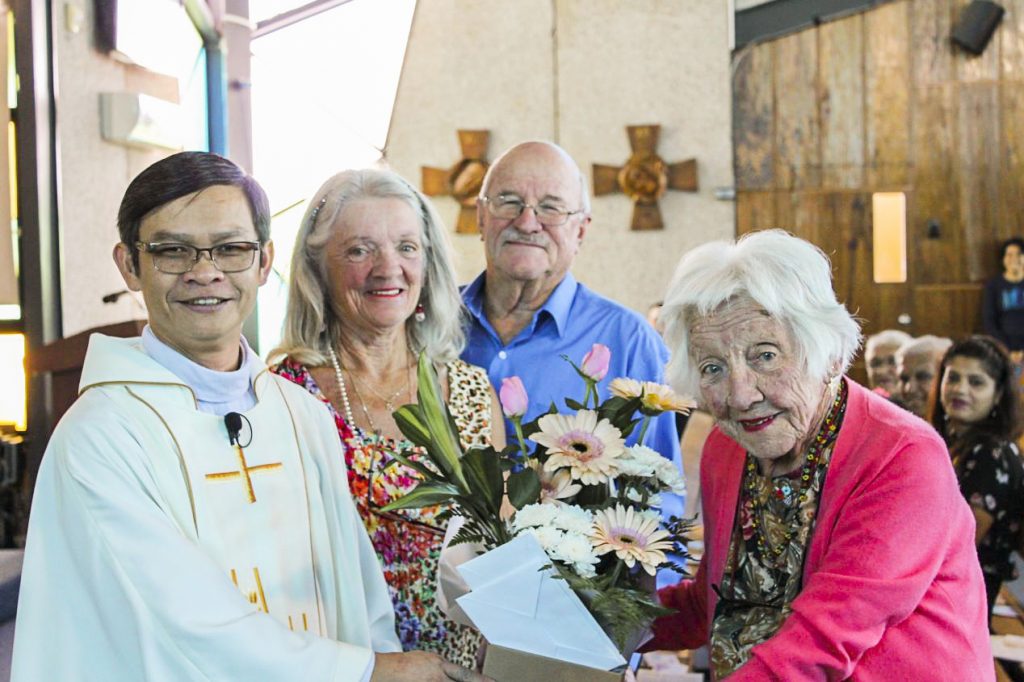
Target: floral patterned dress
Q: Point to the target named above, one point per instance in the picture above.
(408, 542)
(764, 571)
(991, 478)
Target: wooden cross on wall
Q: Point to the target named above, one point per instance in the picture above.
(645, 177)
(463, 180)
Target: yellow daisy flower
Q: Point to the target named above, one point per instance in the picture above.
(654, 397)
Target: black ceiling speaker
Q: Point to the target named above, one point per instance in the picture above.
(976, 25)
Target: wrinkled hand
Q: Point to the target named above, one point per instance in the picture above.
(420, 666)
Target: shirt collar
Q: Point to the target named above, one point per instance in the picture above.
(557, 306)
(208, 385)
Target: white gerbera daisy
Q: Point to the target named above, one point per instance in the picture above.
(634, 537)
(587, 447)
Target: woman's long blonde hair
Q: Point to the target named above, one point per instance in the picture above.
(311, 327)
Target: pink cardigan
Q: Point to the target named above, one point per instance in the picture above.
(892, 586)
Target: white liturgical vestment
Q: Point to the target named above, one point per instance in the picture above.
(159, 550)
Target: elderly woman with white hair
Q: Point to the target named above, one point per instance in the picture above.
(880, 360)
(371, 288)
(823, 555)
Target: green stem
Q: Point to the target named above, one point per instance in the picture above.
(518, 423)
(615, 574)
(643, 430)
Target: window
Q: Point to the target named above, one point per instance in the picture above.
(889, 221)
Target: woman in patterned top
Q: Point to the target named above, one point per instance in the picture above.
(823, 558)
(977, 412)
(371, 288)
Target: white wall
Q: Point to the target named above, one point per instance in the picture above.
(577, 72)
(93, 173)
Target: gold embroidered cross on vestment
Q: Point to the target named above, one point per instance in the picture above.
(244, 473)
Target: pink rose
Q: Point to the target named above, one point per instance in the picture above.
(595, 363)
(513, 397)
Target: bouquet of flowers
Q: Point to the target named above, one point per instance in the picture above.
(589, 500)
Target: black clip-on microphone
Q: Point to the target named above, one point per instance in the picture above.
(233, 422)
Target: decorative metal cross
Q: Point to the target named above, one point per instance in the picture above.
(645, 177)
(243, 472)
(463, 180)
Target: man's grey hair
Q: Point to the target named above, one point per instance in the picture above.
(789, 278)
(935, 346)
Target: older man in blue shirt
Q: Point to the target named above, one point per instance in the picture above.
(526, 309)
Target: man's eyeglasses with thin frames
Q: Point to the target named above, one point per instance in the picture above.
(173, 258)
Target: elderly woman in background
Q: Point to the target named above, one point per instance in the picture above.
(823, 558)
(917, 363)
(978, 415)
(880, 360)
(371, 288)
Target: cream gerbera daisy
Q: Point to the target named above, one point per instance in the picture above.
(581, 443)
(632, 535)
(655, 398)
(554, 487)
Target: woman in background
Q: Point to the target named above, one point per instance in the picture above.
(371, 288)
(977, 414)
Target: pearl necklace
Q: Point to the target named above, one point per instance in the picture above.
(346, 405)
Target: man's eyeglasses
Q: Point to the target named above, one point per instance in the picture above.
(176, 259)
(510, 207)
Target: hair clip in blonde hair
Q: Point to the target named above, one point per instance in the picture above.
(316, 211)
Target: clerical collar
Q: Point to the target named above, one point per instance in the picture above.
(216, 392)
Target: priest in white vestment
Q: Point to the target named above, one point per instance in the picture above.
(191, 517)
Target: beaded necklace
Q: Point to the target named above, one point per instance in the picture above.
(783, 490)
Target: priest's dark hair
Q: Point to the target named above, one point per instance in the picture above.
(182, 174)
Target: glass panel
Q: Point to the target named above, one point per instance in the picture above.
(345, 114)
(889, 220)
(12, 378)
(157, 35)
(9, 300)
(12, 76)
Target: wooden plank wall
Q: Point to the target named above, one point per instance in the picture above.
(882, 101)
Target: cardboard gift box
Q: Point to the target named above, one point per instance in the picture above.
(535, 625)
(508, 665)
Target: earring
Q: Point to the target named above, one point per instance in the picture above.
(420, 313)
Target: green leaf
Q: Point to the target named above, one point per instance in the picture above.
(445, 449)
(483, 473)
(573, 405)
(411, 423)
(412, 464)
(426, 494)
(523, 488)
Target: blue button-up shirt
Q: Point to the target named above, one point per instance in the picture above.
(570, 322)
